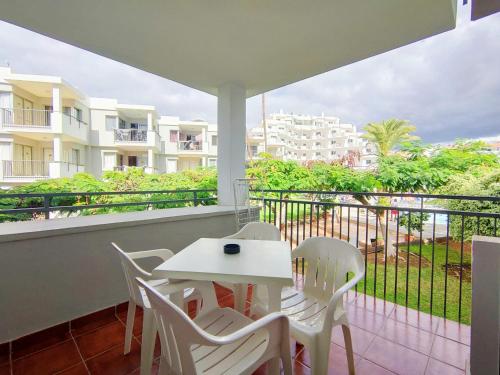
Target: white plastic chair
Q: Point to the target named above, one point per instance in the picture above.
(218, 340)
(253, 231)
(314, 311)
(131, 271)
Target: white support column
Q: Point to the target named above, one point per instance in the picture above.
(151, 161)
(58, 148)
(231, 122)
(150, 121)
(56, 99)
(56, 115)
(485, 335)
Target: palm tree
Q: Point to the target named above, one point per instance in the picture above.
(389, 134)
(385, 136)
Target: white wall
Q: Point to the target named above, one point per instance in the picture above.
(57, 270)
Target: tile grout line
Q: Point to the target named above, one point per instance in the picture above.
(78, 349)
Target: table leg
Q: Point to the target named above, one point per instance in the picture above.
(274, 298)
(239, 297)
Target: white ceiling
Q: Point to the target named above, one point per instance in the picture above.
(260, 44)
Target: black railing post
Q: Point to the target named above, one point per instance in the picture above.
(195, 198)
(46, 206)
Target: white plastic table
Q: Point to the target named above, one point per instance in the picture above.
(259, 262)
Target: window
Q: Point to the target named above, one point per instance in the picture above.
(254, 150)
(75, 156)
(214, 143)
(67, 111)
(174, 136)
(110, 122)
(78, 114)
(212, 162)
(368, 162)
(318, 144)
(122, 124)
(350, 140)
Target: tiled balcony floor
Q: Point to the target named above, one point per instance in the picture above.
(387, 339)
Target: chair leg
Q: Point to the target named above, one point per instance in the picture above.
(348, 348)
(129, 327)
(163, 370)
(319, 358)
(148, 341)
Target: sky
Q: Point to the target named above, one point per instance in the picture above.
(448, 85)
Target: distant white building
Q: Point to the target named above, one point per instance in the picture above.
(49, 129)
(318, 138)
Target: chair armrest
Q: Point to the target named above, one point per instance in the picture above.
(164, 254)
(338, 294)
(268, 322)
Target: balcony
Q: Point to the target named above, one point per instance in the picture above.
(190, 146)
(25, 169)
(424, 328)
(34, 119)
(130, 135)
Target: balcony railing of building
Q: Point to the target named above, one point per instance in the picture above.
(73, 120)
(418, 253)
(131, 135)
(25, 168)
(190, 145)
(25, 118)
(30, 206)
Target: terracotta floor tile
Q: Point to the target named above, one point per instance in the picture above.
(365, 319)
(100, 340)
(4, 353)
(221, 291)
(79, 369)
(407, 335)
(436, 367)
(361, 339)
(5, 369)
(122, 307)
(227, 301)
(300, 369)
(366, 367)
(115, 362)
(137, 330)
(40, 340)
(395, 357)
(154, 369)
(416, 319)
(92, 321)
(337, 363)
(454, 331)
(48, 361)
(450, 352)
(376, 305)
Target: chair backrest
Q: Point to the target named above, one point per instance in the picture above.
(176, 330)
(328, 262)
(257, 231)
(131, 270)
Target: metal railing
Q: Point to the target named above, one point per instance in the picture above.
(131, 135)
(25, 118)
(417, 252)
(73, 120)
(25, 168)
(29, 206)
(190, 145)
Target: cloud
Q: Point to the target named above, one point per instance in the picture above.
(447, 85)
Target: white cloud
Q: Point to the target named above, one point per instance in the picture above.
(448, 85)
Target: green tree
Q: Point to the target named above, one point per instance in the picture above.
(389, 134)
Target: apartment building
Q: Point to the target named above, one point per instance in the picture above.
(50, 129)
(187, 144)
(304, 138)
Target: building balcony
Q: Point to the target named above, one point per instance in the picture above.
(25, 119)
(25, 170)
(83, 311)
(136, 138)
(190, 146)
